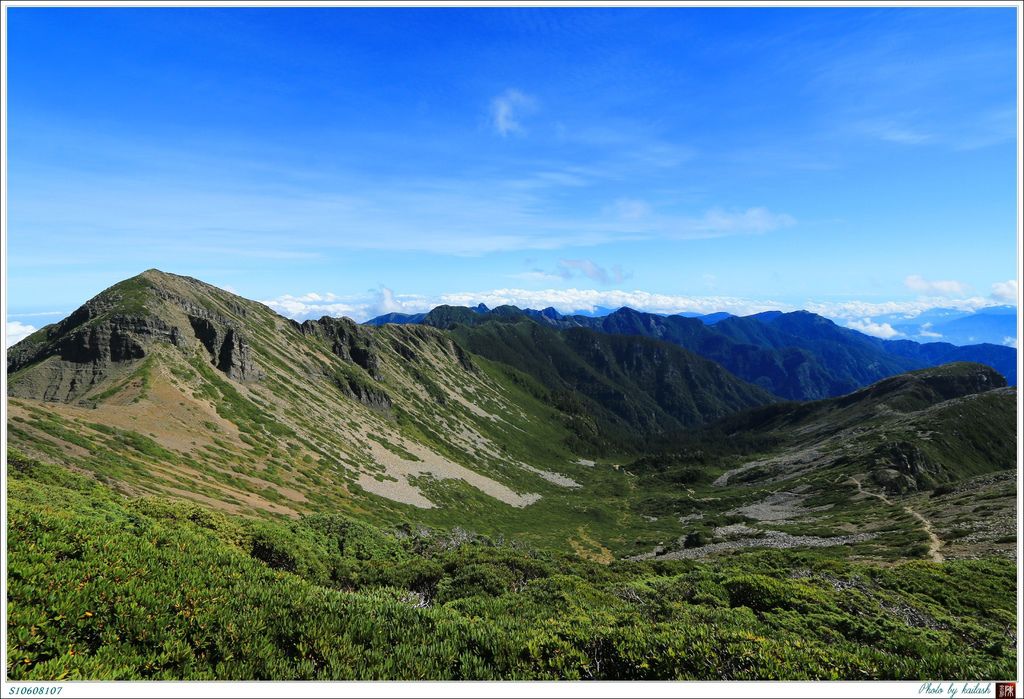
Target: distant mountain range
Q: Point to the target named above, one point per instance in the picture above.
(795, 356)
(995, 325)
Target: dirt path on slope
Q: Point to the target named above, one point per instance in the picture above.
(934, 542)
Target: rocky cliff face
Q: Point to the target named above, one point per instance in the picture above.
(347, 340)
(228, 348)
(92, 335)
(70, 365)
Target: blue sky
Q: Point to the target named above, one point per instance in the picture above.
(356, 161)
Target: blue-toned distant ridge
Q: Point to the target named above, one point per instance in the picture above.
(797, 356)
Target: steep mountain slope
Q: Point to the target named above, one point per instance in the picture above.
(931, 426)
(623, 390)
(225, 400)
(785, 373)
(164, 385)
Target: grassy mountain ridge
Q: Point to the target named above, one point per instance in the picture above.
(930, 427)
(852, 466)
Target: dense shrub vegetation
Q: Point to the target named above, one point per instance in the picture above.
(104, 587)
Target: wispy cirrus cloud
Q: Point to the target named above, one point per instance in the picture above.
(716, 222)
(576, 268)
(592, 270)
(37, 314)
(215, 203)
(752, 221)
(630, 209)
(454, 216)
(508, 108)
(895, 131)
(537, 275)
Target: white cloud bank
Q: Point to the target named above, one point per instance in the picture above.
(950, 287)
(312, 305)
(882, 330)
(860, 310)
(315, 305)
(563, 300)
(17, 331)
(1005, 291)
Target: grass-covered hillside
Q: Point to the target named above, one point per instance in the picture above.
(102, 586)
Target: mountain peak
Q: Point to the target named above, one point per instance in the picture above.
(124, 322)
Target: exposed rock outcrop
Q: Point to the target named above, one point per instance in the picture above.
(370, 396)
(80, 352)
(229, 351)
(347, 340)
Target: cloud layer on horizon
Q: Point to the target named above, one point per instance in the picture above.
(858, 315)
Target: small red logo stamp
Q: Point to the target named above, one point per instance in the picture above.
(1006, 690)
